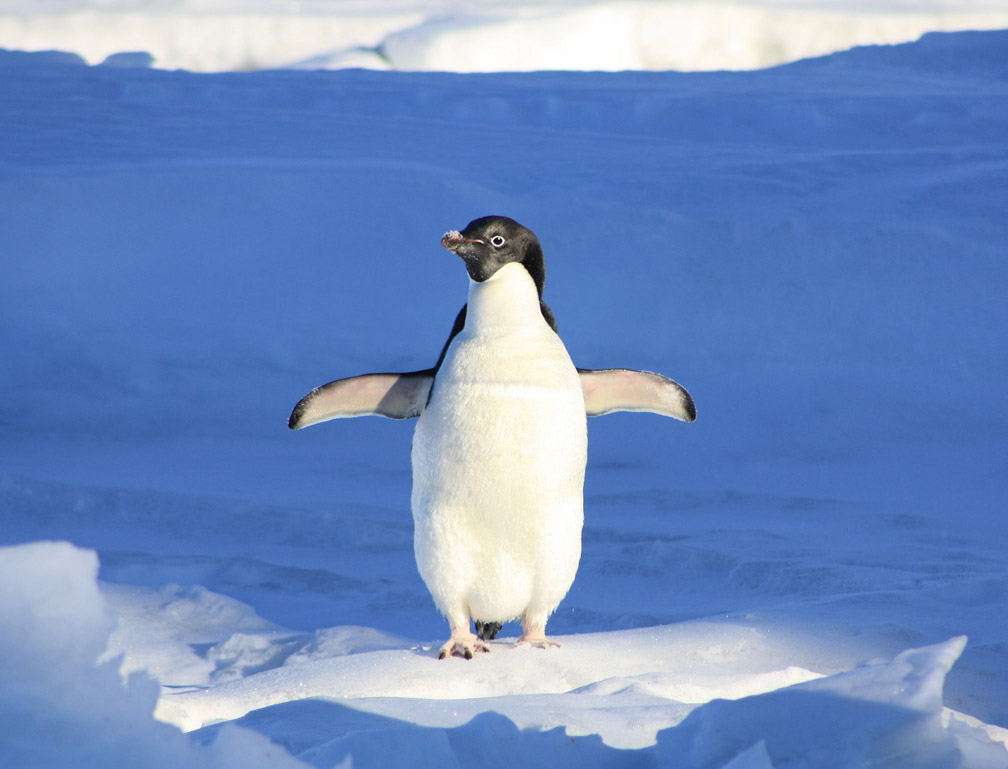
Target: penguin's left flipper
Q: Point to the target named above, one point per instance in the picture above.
(396, 396)
(620, 389)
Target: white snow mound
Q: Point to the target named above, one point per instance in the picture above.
(57, 704)
(493, 36)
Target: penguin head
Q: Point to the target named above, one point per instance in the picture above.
(490, 242)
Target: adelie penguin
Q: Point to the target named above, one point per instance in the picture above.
(500, 445)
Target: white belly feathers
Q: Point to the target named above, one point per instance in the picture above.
(498, 461)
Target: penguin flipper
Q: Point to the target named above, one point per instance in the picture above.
(396, 396)
(620, 389)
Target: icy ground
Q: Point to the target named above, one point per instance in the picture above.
(479, 35)
(812, 575)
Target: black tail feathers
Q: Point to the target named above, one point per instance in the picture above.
(487, 631)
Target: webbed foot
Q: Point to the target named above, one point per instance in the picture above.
(462, 644)
(538, 643)
(535, 635)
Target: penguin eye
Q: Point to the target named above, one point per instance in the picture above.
(497, 241)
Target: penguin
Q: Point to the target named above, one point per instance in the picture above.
(500, 444)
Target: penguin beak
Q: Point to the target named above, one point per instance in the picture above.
(453, 240)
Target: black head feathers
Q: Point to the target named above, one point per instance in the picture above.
(490, 242)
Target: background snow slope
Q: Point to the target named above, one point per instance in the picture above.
(486, 35)
(815, 251)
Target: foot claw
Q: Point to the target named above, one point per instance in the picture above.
(462, 647)
(539, 642)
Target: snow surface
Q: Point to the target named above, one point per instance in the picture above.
(816, 251)
(487, 35)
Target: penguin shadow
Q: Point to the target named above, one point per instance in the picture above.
(806, 728)
(327, 734)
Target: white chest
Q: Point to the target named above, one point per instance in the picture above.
(499, 457)
(507, 397)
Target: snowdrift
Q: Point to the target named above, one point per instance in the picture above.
(816, 251)
(404, 707)
(607, 35)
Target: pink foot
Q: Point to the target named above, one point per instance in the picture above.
(539, 643)
(462, 644)
(536, 636)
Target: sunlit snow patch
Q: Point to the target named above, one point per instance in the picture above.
(58, 707)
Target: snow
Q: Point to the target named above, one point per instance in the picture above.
(812, 574)
(58, 707)
(686, 693)
(491, 35)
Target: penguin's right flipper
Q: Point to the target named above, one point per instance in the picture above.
(620, 389)
(396, 396)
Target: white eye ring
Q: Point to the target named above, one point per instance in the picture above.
(497, 241)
